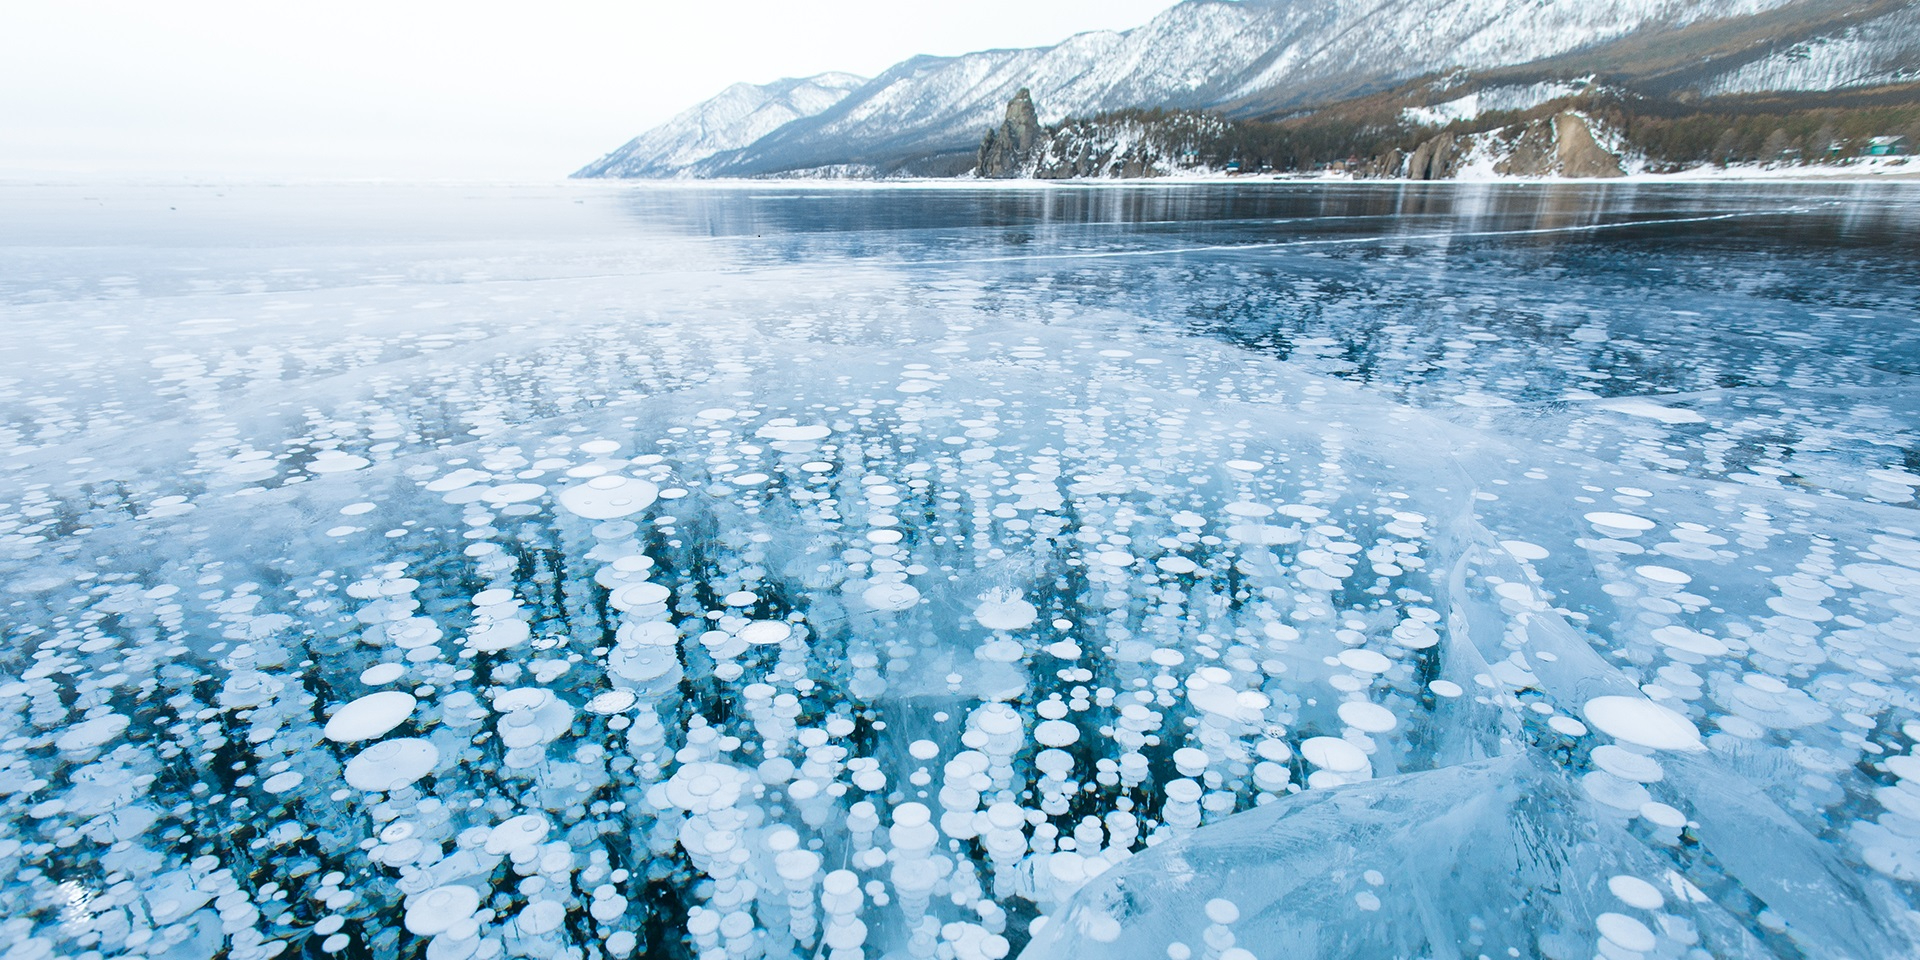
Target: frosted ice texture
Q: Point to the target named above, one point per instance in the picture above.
(1207, 572)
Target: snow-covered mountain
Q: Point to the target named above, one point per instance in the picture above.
(1880, 51)
(740, 115)
(1263, 57)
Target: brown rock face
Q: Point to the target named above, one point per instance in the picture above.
(1388, 165)
(1437, 159)
(1531, 154)
(1579, 153)
(1558, 146)
(1006, 152)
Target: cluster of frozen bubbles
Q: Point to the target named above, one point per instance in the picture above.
(907, 677)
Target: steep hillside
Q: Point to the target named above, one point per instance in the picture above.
(740, 115)
(1204, 54)
(1125, 144)
(1575, 130)
(1266, 59)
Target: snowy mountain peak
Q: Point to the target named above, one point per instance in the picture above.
(1254, 58)
(738, 116)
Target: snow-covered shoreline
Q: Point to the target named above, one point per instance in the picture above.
(1903, 170)
(1898, 170)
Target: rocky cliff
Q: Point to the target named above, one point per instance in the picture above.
(1009, 150)
(1562, 145)
(1122, 145)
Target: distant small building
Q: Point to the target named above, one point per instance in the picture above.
(1887, 147)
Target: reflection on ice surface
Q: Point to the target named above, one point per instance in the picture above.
(760, 572)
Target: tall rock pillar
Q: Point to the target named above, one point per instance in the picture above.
(1008, 152)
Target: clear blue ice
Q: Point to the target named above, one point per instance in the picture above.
(1213, 572)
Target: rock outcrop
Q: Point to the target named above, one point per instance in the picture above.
(1579, 152)
(1009, 151)
(1437, 159)
(1562, 145)
(1125, 145)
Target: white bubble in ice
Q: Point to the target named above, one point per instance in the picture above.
(1523, 550)
(646, 593)
(540, 917)
(89, 734)
(1333, 753)
(1445, 688)
(1635, 892)
(638, 663)
(1056, 733)
(381, 674)
(1004, 610)
(513, 493)
(1619, 524)
(1659, 574)
(1415, 635)
(891, 596)
(1638, 720)
(609, 497)
(282, 782)
(391, 764)
(523, 832)
(1368, 717)
(1365, 661)
(765, 632)
(1263, 534)
(797, 866)
(611, 702)
(499, 635)
(1692, 641)
(1627, 765)
(792, 433)
(335, 461)
(439, 909)
(463, 477)
(1884, 578)
(702, 787)
(1626, 932)
(1663, 815)
(370, 716)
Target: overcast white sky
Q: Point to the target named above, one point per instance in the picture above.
(433, 88)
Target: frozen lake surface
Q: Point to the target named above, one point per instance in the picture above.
(1218, 572)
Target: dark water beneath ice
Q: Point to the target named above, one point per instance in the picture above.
(602, 571)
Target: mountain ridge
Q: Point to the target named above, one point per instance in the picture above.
(738, 115)
(1266, 58)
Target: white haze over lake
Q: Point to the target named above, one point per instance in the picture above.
(435, 88)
